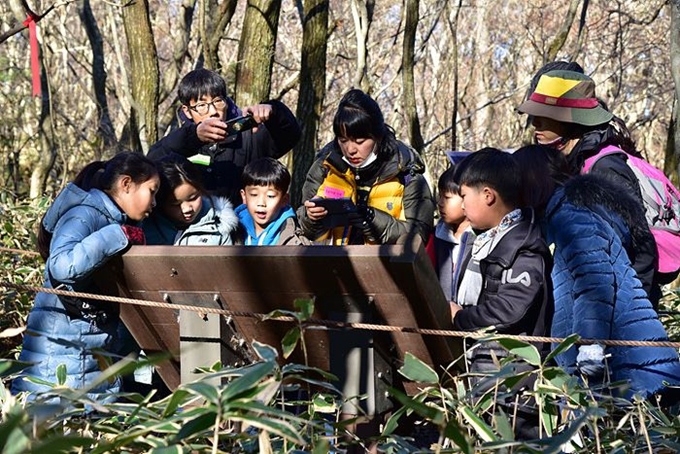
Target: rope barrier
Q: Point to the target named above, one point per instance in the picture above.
(321, 322)
(331, 323)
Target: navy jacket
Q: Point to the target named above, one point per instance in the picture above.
(598, 294)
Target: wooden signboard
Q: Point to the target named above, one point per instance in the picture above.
(394, 285)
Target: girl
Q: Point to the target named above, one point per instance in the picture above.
(381, 175)
(568, 117)
(591, 223)
(186, 214)
(90, 221)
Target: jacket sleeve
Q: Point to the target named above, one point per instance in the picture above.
(80, 244)
(284, 132)
(585, 242)
(506, 302)
(183, 141)
(418, 210)
(315, 176)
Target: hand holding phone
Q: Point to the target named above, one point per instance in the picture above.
(340, 206)
(240, 124)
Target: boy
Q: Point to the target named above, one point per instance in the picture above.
(202, 138)
(506, 283)
(266, 215)
(452, 235)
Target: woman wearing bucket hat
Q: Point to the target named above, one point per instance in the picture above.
(567, 116)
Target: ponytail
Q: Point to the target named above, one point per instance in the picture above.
(103, 175)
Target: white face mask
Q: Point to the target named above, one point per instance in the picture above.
(367, 162)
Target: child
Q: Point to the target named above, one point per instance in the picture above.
(265, 213)
(202, 138)
(591, 222)
(382, 175)
(452, 235)
(186, 214)
(506, 282)
(90, 221)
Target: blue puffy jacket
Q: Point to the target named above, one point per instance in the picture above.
(598, 294)
(86, 233)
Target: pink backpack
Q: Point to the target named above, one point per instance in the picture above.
(662, 206)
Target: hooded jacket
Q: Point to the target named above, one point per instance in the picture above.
(282, 231)
(215, 225)
(399, 194)
(597, 292)
(226, 160)
(86, 233)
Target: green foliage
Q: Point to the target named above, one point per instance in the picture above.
(477, 414)
(18, 230)
(669, 309)
(253, 411)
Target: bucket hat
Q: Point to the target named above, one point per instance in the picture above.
(566, 96)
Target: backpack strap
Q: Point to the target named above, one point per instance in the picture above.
(606, 151)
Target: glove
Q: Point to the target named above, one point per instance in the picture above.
(362, 218)
(134, 235)
(590, 360)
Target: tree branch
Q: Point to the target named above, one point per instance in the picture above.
(29, 12)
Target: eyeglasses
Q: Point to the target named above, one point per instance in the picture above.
(202, 108)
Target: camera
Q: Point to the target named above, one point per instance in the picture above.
(240, 124)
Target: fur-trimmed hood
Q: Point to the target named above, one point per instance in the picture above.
(604, 196)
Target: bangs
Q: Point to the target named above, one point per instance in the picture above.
(353, 123)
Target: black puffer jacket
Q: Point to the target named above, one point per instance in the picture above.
(402, 163)
(227, 159)
(517, 295)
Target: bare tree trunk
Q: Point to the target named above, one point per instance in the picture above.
(144, 75)
(172, 74)
(48, 147)
(561, 37)
(672, 155)
(47, 151)
(453, 26)
(408, 62)
(107, 136)
(225, 12)
(362, 12)
(256, 51)
(312, 90)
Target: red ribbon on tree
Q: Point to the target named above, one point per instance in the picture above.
(35, 64)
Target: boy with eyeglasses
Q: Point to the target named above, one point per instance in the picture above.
(203, 137)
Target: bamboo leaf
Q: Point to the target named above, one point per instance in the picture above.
(253, 375)
(264, 351)
(305, 306)
(290, 341)
(480, 427)
(524, 350)
(456, 434)
(196, 426)
(167, 450)
(416, 370)
(61, 374)
(209, 392)
(62, 443)
(561, 347)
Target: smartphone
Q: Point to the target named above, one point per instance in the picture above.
(240, 124)
(335, 206)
